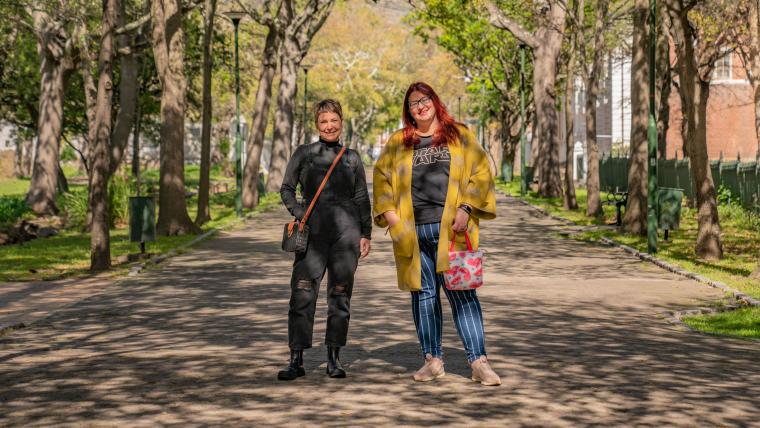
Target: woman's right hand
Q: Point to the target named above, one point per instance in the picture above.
(391, 217)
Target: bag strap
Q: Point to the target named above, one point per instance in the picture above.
(466, 239)
(319, 190)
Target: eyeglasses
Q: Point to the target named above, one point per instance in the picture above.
(424, 101)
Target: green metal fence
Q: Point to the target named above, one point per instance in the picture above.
(741, 178)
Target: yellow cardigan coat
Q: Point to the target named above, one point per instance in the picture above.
(470, 182)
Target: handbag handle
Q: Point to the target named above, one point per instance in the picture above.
(466, 239)
(319, 190)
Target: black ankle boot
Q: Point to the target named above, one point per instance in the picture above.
(334, 368)
(294, 368)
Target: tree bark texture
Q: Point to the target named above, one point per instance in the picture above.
(100, 248)
(295, 45)
(594, 203)
(255, 143)
(547, 120)
(506, 141)
(635, 219)
(283, 121)
(129, 93)
(665, 84)
(546, 43)
(51, 48)
(136, 145)
(754, 64)
(204, 214)
(694, 86)
(569, 200)
(753, 59)
(90, 88)
(168, 51)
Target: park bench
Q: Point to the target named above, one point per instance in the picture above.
(619, 199)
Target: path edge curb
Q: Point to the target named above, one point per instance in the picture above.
(676, 316)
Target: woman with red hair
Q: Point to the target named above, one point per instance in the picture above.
(431, 182)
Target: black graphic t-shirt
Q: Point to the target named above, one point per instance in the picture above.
(430, 180)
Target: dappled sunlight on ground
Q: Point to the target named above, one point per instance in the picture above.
(574, 329)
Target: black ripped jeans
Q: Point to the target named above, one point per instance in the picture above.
(338, 255)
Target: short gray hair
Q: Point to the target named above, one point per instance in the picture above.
(327, 106)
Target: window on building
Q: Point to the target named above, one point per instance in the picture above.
(723, 68)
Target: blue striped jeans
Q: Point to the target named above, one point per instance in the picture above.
(426, 304)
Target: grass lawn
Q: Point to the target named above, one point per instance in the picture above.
(14, 187)
(740, 323)
(741, 246)
(69, 253)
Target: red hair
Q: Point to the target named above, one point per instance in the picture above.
(447, 132)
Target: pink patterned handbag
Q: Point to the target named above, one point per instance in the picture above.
(465, 267)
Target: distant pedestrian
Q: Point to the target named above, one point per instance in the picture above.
(433, 179)
(340, 229)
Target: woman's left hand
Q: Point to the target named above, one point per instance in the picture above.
(460, 221)
(364, 247)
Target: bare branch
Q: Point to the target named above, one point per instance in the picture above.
(499, 20)
(134, 25)
(81, 155)
(622, 9)
(139, 22)
(264, 18)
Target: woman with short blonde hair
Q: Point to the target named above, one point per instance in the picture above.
(340, 231)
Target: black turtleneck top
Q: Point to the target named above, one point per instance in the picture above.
(343, 203)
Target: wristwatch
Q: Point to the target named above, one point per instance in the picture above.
(466, 208)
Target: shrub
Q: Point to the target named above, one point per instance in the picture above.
(12, 208)
(74, 206)
(119, 190)
(68, 154)
(725, 196)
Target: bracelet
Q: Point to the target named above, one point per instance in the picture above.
(466, 208)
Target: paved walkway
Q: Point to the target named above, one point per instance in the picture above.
(575, 330)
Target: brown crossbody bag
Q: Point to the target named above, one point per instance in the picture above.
(295, 237)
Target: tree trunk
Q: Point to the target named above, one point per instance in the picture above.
(129, 92)
(42, 189)
(295, 45)
(255, 143)
(204, 214)
(665, 81)
(635, 220)
(756, 97)
(546, 134)
(168, 51)
(136, 144)
(546, 43)
(283, 121)
(507, 145)
(754, 59)
(594, 203)
(100, 248)
(695, 90)
(90, 90)
(709, 245)
(569, 200)
(754, 65)
(19, 165)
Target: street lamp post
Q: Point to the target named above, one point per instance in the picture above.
(305, 93)
(652, 136)
(236, 17)
(523, 142)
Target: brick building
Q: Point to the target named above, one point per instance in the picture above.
(730, 114)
